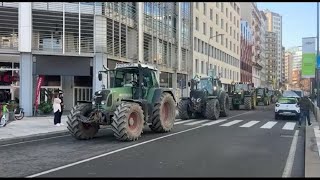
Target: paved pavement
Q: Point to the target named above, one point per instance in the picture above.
(236, 146)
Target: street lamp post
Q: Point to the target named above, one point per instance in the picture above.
(209, 50)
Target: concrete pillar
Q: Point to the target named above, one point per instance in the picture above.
(67, 88)
(140, 31)
(26, 62)
(99, 60)
(178, 60)
(26, 86)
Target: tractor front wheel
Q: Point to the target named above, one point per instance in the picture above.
(212, 109)
(128, 121)
(184, 113)
(164, 114)
(224, 104)
(248, 103)
(78, 129)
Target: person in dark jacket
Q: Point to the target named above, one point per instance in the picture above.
(305, 107)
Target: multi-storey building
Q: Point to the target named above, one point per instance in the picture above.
(67, 43)
(216, 40)
(271, 59)
(263, 31)
(275, 25)
(296, 66)
(251, 14)
(246, 52)
(283, 79)
(288, 69)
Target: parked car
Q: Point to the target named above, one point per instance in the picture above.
(287, 106)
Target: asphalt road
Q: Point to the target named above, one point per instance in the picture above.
(193, 149)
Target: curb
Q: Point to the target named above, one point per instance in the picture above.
(33, 137)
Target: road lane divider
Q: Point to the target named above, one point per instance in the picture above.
(269, 125)
(196, 122)
(121, 149)
(231, 123)
(289, 164)
(249, 124)
(289, 126)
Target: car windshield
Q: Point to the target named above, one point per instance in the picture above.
(287, 101)
(239, 87)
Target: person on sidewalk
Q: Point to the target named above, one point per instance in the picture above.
(305, 107)
(60, 94)
(57, 110)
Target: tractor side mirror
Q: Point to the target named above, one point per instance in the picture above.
(100, 77)
(189, 84)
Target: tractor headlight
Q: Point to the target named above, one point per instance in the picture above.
(258, 96)
(215, 88)
(93, 102)
(103, 102)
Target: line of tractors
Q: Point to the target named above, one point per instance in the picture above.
(132, 99)
(209, 100)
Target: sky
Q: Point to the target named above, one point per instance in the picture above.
(298, 20)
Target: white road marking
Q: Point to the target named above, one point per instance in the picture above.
(121, 149)
(269, 125)
(317, 135)
(180, 122)
(289, 164)
(289, 126)
(109, 153)
(197, 122)
(177, 120)
(231, 123)
(214, 122)
(249, 124)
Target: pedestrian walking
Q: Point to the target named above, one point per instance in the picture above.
(305, 107)
(57, 110)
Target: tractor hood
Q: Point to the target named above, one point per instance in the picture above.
(109, 99)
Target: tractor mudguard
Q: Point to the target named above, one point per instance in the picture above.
(158, 92)
(84, 102)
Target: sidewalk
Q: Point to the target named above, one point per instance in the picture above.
(31, 128)
(312, 146)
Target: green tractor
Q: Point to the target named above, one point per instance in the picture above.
(132, 100)
(262, 95)
(242, 94)
(207, 99)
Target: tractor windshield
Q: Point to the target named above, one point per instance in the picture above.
(205, 84)
(240, 87)
(123, 77)
(260, 92)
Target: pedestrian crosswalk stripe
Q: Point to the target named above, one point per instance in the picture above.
(289, 126)
(268, 125)
(214, 122)
(196, 122)
(180, 122)
(249, 124)
(231, 123)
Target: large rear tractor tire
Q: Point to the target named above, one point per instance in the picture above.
(78, 129)
(212, 109)
(248, 103)
(164, 114)
(183, 108)
(230, 103)
(224, 104)
(254, 102)
(128, 122)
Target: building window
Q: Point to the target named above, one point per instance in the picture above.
(202, 67)
(197, 23)
(227, 27)
(222, 23)
(231, 16)
(205, 48)
(217, 4)
(211, 14)
(195, 43)
(227, 13)
(204, 8)
(234, 20)
(226, 42)
(222, 9)
(231, 31)
(197, 5)
(211, 31)
(204, 28)
(221, 40)
(217, 40)
(230, 45)
(234, 34)
(197, 66)
(234, 47)
(199, 44)
(237, 49)
(237, 36)
(217, 19)
(237, 24)
(202, 47)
